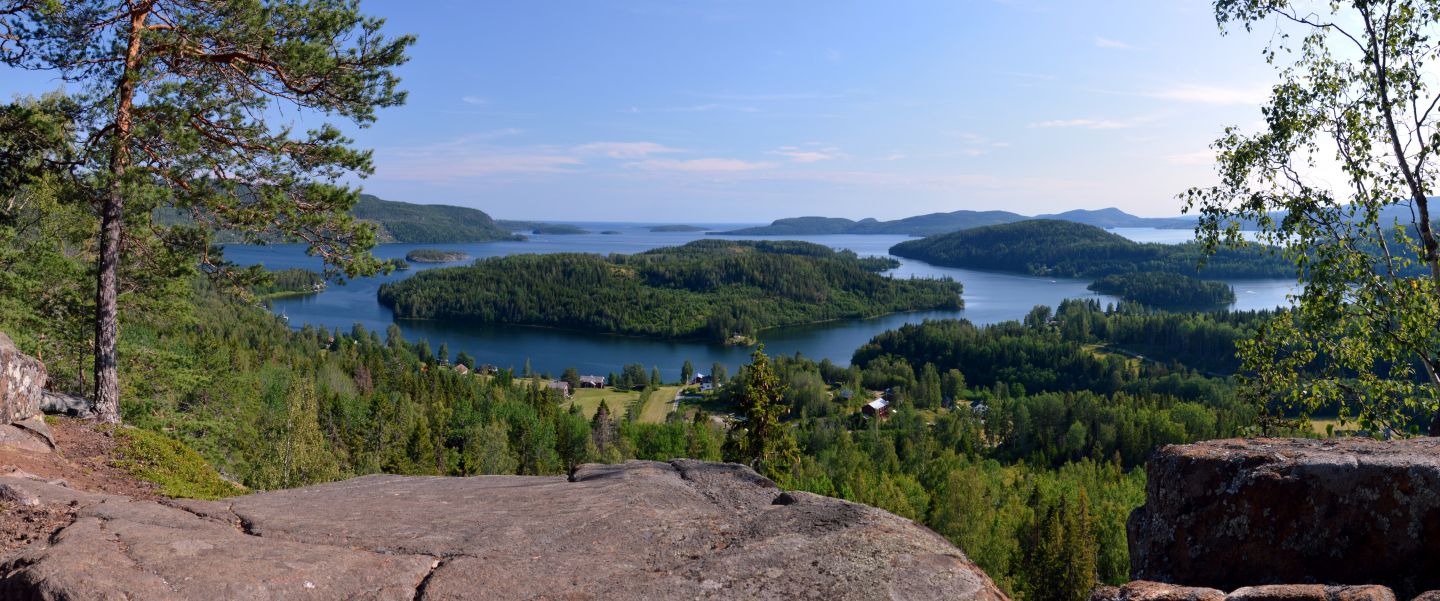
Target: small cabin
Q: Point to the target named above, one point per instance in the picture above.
(461, 369)
(592, 381)
(560, 385)
(879, 408)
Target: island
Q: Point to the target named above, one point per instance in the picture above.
(396, 264)
(714, 290)
(941, 223)
(283, 283)
(1162, 290)
(678, 228)
(610, 233)
(410, 223)
(540, 227)
(1054, 248)
(431, 255)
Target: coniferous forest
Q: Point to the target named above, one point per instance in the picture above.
(711, 289)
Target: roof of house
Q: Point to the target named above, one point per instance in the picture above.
(878, 404)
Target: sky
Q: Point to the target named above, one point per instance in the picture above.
(752, 110)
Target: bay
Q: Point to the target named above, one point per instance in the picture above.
(989, 298)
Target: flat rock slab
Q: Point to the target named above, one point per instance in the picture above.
(1233, 513)
(640, 530)
(1144, 590)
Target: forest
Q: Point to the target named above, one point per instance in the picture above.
(434, 255)
(1054, 248)
(710, 289)
(1166, 290)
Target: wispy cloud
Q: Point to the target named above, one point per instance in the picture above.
(475, 100)
(1087, 123)
(700, 165)
(1112, 44)
(808, 154)
(476, 166)
(624, 150)
(1207, 94)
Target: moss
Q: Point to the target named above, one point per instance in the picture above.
(177, 469)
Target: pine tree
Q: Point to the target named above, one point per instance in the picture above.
(687, 372)
(655, 377)
(190, 89)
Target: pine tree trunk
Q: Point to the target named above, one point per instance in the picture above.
(107, 286)
(107, 321)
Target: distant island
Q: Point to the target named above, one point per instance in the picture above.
(678, 228)
(290, 282)
(716, 290)
(610, 233)
(428, 224)
(540, 227)
(1163, 290)
(431, 255)
(941, 223)
(1047, 247)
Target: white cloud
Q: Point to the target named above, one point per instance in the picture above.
(718, 165)
(475, 100)
(1109, 43)
(1206, 94)
(475, 166)
(1087, 123)
(624, 150)
(808, 155)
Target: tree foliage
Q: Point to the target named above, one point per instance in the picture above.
(1356, 88)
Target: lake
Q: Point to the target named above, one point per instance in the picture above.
(989, 298)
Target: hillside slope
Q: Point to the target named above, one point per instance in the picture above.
(941, 223)
(1067, 249)
(428, 224)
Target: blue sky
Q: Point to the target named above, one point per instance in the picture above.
(750, 110)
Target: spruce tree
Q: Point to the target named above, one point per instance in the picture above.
(762, 441)
(175, 102)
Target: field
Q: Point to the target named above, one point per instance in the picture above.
(654, 412)
(589, 400)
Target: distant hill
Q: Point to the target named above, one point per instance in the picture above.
(678, 228)
(1055, 248)
(942, 223)
(428, 224)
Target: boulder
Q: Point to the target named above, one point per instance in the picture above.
(59, 403)
(1428, 596)
(1144, 590)
(1311, 592)
(640, 530)
(22, 378)
(1234, 513)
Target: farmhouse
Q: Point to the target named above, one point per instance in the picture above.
(877, 408)
(706, 383)
(592, 381)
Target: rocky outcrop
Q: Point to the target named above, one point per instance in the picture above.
(1144, 590)
(641, 530)
(1235, 513)
(22, 379)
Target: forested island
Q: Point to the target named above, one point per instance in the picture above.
(541, 227)
(678, 228)
(1056, 248)
(941, 223)
(708, 289)
(428, 224)
(289, 282)
(431, 255)
(1166, 290)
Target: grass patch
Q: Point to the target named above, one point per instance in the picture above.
(657, 408)
(589, 400)
(177, 469)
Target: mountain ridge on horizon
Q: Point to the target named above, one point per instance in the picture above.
(941, 223)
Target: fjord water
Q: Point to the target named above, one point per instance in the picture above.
(989, 298)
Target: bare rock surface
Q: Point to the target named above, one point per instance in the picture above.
(22, 379)
(1145, 590)
(641, 530)
(1234, 513)
(1311, 592)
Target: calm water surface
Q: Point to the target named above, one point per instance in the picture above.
(989, 298)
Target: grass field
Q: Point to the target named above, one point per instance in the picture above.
(589, 400)
(1318, 425)
(658, 407)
